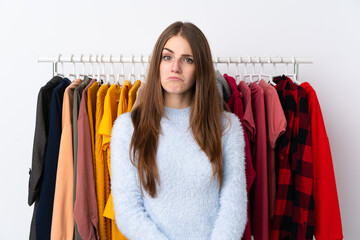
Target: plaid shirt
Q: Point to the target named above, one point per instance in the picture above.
(294, 209)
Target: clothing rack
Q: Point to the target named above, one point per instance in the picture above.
(102, 59)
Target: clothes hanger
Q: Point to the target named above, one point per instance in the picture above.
(132, 76)
(216, 63)
(286, 74)
(111, 75)
(142, 75)
(238, 75)
(98, 77)
(91, 73)
(262, 75)
(139, 75)
(102, 74)
(271, 77)
(228, 66)
(83, 68)
(293, 76)
(245, 72)
(74, 69)
(121, 75)
(77, 75)
(289, 75)
(57, 73)
(255, 77)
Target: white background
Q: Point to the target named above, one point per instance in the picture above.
(327, 31)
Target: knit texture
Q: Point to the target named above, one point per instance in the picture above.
(223, 85)
(189, 204)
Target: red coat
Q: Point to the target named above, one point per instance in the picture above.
(327, 212)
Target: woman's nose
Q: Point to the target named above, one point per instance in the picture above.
(176, 66)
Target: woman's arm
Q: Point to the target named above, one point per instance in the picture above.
(232, 214)
(130, 215)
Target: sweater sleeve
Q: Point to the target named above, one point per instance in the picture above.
(232, 214)
(130, 214)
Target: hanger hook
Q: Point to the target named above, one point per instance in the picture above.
(228, 65)
(246, 63)
(122, 68)
(216, 62)
(262, 64)
(293, 61)
(56, 65)
(274, 68)
(132, 69)
(74, 68)
(83, 64)
(112, 64)
(62, 66)
(133, 64)
(286, 66)
(102, 66)
(295, 69)
(98, 67)
(91, 65)
(237, 65)
(252, 66)
(142, 74)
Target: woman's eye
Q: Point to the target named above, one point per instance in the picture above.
(189, 60)
(166, 58)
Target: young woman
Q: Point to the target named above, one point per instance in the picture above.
(177, 160)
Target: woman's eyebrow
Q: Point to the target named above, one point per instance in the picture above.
(185, 55)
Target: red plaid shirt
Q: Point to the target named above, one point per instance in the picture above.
(294, 209)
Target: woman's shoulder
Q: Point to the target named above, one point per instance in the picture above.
(229, 120)
(231, 125)
(123, 123)
(124, 118)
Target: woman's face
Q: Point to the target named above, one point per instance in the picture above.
(177, 68)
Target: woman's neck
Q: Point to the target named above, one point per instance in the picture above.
(179, 101)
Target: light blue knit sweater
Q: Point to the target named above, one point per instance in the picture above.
(188, 205)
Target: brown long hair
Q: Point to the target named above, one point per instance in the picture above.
(205, 115)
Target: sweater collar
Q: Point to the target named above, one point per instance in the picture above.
(175, 114)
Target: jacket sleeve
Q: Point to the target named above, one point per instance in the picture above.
(130, 214)
(232, 214)
(39, 147)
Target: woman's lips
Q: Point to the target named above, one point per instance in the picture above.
(175, 78)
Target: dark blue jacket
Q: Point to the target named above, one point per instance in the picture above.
(40, 138)
(44, 209)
